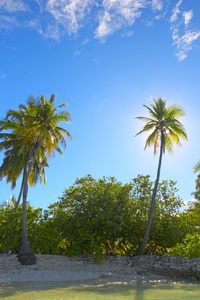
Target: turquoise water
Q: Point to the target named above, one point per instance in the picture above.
(118, 291)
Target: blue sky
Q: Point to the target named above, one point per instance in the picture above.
(105, 59)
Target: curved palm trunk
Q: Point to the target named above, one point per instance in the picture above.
(153, 201)
(20, 193)
(25, 255)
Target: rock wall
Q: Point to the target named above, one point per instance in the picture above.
(168, 265)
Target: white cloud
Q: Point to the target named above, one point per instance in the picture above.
(129, 33)
(52, 31)
(187, 16)
(190, 203)
(157, 4)
(184, 43)
(8, 22)
(41, 4)
(69, 13)
(9, 9)
(3, 75)
(55, 18)
(12, 5)
(182, 36)
(175, 11)
(104, 28)
(85, 42)
(116, 14)
(77, 53)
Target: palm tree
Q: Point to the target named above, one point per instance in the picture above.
(165, 129)
(197, 192)
(197, 167)
(34, 135)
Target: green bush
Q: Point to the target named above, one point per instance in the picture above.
(190, 247)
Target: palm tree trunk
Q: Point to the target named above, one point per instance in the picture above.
(20, 193)
(153, 201)
(25, 255)
(25, 248)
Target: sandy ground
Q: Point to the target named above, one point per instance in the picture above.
(55, 270)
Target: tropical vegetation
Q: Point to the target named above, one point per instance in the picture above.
(104, 217)
(96, 217)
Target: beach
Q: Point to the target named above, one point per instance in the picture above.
(57, 270)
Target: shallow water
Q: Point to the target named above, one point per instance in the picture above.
(119, 291)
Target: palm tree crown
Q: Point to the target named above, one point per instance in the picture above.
(30, 126)
(163, 123)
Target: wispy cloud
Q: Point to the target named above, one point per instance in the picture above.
(175, 11)
(116, 14)
(55, 18)
(183, 37)
(128, 33)
(69, 14)
(85, 42)
(187, 16)
(184, 43)
(77, 53)
(3, 75)
(8, 13)
(12, 6)
(157, 4)
(8, 22)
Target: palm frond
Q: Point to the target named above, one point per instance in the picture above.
(165, 125)
(197, 167)
(152, 139)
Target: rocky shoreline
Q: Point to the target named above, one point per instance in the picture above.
(57, 270)
(9, 263)
(54, 270)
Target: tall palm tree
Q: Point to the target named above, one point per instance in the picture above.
(34, 136)
(197, 181)
(165, 129)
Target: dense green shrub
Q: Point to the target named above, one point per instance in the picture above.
(102, 217)
(190, 247)
(105, 216)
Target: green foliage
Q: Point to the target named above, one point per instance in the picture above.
(190, 247)
(188, 244)
(165, 218)
(102, 217)
(11, 227)
(105, 217)
(92, 216)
